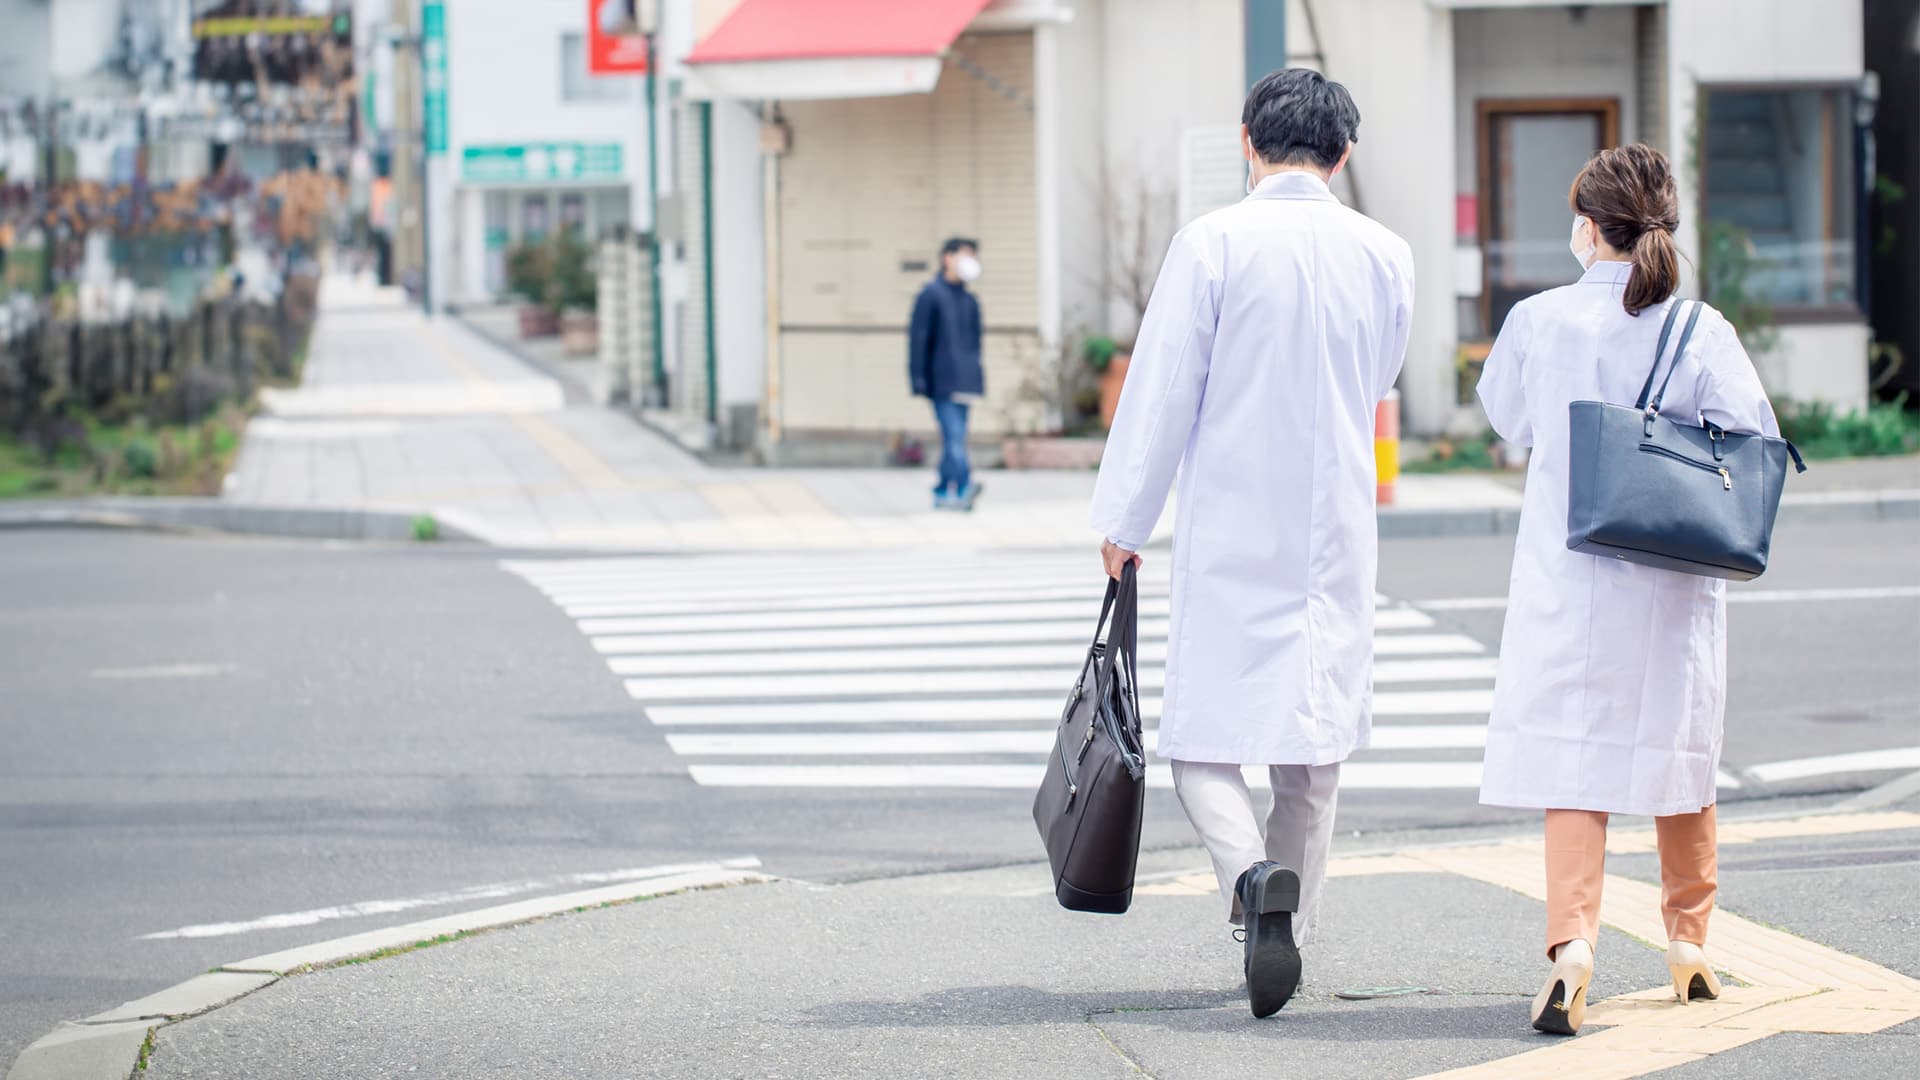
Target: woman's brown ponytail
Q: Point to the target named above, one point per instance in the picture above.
(1629, 195)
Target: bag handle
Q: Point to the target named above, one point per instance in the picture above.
(1123, 602)
(1659, 350)
(1647, 397)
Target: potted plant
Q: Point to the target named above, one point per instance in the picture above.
(1032, 417)
(529, 276)
(573, 291)
(1109, 360)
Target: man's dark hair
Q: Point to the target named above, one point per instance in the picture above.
(958, 243)
(1297, 116)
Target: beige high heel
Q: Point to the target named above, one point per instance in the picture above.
(1693, 977)
(1561, 1006)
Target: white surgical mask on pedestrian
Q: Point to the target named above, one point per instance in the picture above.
(1583, 249)
(966, 268)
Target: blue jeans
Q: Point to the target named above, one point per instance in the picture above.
(955, 472)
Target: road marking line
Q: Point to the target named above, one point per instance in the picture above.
(1734, 596)
(640, 604)
(165, 671)
(474, 892)
(1034, 709)
(861, 684)
(1354, 775)
(944, 614)
(1061, 655)
(1643, 841)
(1034, 742)
(612, 636)
(924, 616)
(1900, 758)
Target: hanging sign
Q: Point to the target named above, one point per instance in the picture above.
(616, 41)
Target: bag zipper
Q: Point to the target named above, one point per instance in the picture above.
(1073, 789)
(1726, 478)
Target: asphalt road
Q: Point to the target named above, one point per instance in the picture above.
(199, 731)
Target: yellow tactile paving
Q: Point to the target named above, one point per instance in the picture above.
(581, 463)
(1795, 985)
(1641, 841)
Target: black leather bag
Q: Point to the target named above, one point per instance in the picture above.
(1089, 806)
(1651, 491)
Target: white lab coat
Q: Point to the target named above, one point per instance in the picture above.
(1276, 326)
(1613, 677)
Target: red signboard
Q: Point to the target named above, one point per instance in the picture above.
(615, 44)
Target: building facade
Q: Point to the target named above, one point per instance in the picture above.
(1073, 137)
(535, 142)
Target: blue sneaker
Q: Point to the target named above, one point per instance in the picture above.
(942, 500)
(965, 500)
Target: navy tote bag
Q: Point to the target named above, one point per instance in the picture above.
(1652, 491)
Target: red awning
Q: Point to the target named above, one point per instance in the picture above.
(830, 48)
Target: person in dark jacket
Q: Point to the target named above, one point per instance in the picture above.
(943, 360)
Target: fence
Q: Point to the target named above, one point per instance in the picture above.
(174, 368)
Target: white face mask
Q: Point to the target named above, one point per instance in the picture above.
(1583, 249)
(966, 268)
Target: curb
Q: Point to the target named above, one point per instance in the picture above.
(162, 513)
(113, 1044)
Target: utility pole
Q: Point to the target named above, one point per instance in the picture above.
(408, 168)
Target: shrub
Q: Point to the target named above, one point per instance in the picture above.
(1097, 353)
(1886, 428)
(140, 458)
(529, 269)
(572, 283)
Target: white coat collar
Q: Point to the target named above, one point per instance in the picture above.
(1293, 184)
(1607, 273)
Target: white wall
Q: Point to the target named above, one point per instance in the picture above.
(1818, 362)
(1080, 63)
(504, 84)
(1396, 57)
(1167, 67)
(1539, 53)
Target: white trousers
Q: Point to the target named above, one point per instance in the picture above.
(1298, 832)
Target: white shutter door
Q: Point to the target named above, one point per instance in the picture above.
(869, 191)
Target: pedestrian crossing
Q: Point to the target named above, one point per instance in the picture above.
(940, 669)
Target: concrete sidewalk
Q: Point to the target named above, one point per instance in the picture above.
(1428, 960)
(404, 414)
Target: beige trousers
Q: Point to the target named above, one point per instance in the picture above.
(1577, 863)
(1298, 832)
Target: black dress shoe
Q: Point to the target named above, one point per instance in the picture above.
(1270, 895)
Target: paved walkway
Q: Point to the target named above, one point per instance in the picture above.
(401, 412)
(1427, 960)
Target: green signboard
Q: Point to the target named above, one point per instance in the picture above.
(534, 162)
(433, 74)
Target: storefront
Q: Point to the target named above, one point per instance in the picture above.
(515, 193)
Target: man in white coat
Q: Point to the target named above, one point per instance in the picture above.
(1275, 327)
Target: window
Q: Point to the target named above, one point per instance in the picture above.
(576, 85)
(1530, 151)
(1778, 207)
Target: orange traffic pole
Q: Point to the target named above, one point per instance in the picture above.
(1386, 447)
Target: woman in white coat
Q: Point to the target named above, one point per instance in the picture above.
(1612, 683)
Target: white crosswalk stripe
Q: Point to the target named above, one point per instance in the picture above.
(943, 670)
